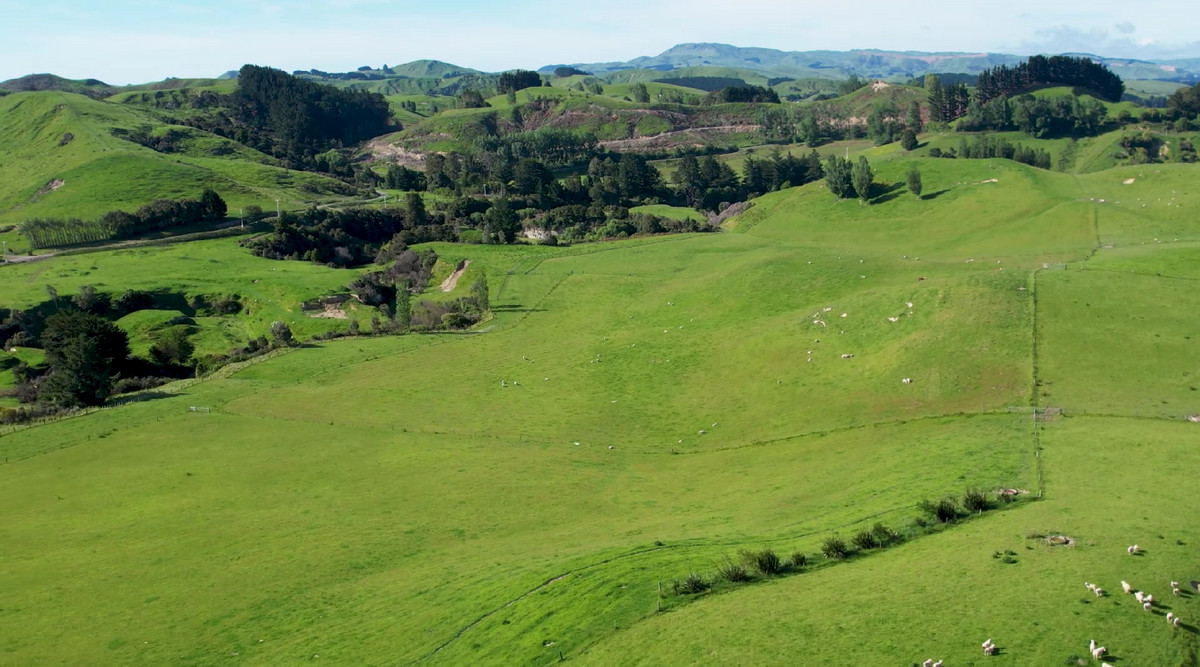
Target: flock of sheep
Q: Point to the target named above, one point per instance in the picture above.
(1098, 652)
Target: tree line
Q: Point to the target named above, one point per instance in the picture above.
(157, 215)
(1004, 80)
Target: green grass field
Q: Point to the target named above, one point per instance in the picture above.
(61, 158)
(636, 411)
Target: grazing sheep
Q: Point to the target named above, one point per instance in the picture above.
(1132, 550)
(1126, 587)
(991, 650)
(1091, 645)
(1099, 652)
(1140, 597)
(1174, 591)
(1170, 617)
(1147, 606)
(847, 356)
(1089, 586)
(927, 663)
(937, 664)
(1149, 599)
(1098, 591)
(1176, 622)
(893, 319)
(907, 380)
(1174, 584)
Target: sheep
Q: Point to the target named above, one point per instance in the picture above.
(1147, 606)
(847, 356)
(1098, 591)
(907, 380)
(1091, 645)
(845, 314)
(937, 664)
(1149, 599)
(1089, 586)
(1174, 584)
(991, 650)
(1126, 587)
(1099, 652)
(893, 319)
(1132, 550)
(1175, 591)
(1176, 622)
(927, 663)
(1141, 597)
(909, 304)
(1170, 617)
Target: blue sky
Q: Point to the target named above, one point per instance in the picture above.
(127, 41)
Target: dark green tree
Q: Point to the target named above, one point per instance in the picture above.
(914, 181)
(83, 352)
(913, 121)
(501, 224)
(414, 210)
(862, 177)
(213, 205)
(837, 177)
(908, 140)
(640, 94)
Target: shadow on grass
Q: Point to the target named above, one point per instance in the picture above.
(935, 195)
(885, 193)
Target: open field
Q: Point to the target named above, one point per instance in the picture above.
(635, 411)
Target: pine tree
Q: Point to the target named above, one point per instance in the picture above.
(914, 181)
(862, 177)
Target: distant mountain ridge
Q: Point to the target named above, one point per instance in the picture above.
(869, 63)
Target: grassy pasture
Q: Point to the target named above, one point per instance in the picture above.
(388, 500)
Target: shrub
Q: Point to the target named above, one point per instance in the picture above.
(691, 585)
(799, 560)
(767, 562)
(944, 510)
(884, 535)
(733, 572)
(975, 501)
(835, 548)
(865, 539)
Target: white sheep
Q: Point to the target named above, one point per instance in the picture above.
(1140, 596)
(1099, 652)
(1174, 584)
(1091, 645)
(1147, 606)
(1126, 587)
(927, 663)
(991, 650)
(907, 380)
(1132, 550)
(1174, 591)
(1089, 586)
(1098, 591)
(1149, 599)
(1170, 617)
(893, 319)
(1176, 622)
(937, 664)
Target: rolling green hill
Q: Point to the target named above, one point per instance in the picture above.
(62, 156)
(640, 410)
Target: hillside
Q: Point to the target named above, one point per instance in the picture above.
(68, 155)
(639, 410)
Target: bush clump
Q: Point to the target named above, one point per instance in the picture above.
(944, 510)
(975, 500)
(798, 560)
(691, 585)
(733, 572)
(835, 548)
(766, 562)
(865, 539)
